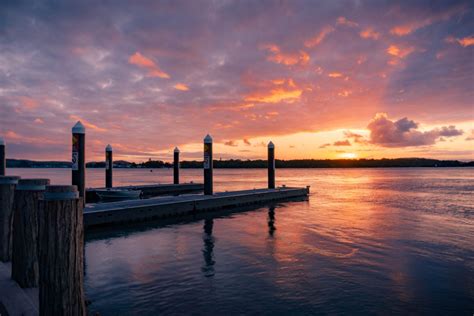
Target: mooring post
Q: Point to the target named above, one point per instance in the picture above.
(208, 165)
(7, 193)
(25, 231)
(109, 165)
(271, 165)
(61, 256)
(176, 166)
(3, 158)
(78, 159)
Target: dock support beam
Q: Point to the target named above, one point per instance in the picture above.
(271, 165)
(3, 159)
(61, 252)
(25, 231)
(176, 166)
(79, 159)
(208, 166)
(7, 192)
(109, 165)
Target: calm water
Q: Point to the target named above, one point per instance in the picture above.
(368, 241)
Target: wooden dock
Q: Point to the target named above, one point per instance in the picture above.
(172, 206)
(150, 190)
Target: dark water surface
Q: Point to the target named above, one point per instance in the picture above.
(367, 241)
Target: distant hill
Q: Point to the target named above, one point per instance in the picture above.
(236, 163)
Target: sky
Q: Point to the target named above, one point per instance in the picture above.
(321, 79)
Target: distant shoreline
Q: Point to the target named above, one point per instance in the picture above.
(257, 164)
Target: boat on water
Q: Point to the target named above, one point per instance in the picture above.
(118, 194)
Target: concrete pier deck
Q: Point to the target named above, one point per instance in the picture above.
(163, 207)
(150, 190)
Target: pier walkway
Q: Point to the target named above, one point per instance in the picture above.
(163, 207)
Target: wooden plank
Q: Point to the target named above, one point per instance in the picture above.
(163, 207)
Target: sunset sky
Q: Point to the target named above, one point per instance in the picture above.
(321, 79)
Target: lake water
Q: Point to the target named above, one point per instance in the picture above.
(367, 241)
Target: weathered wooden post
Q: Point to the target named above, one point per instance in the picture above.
(208, 165)
(79, 159)
(61, 256)
(109, 165)
(271, 165)
(3, 158)
(25, 231)
(176, 166)
(7, 193)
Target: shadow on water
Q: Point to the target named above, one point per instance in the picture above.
(271, 221)
(124, 230)
(208, 250)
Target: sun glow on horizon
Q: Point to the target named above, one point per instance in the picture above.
(349, 155)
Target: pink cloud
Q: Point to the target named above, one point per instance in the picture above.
(144, 62)
(318, 38)
(344, 21)
(87, 124)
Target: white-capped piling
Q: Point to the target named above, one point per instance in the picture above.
(25, 231)
(3, 158)
(7, 193)
(61, 252)
(109, 166)
(79, 159)
(208, 166)
(271, 165)
(176, 166)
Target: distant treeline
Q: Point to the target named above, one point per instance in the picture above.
(236, 163)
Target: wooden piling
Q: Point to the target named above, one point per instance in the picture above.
(78, 159)
(109, 165)
(7, 193)
(61, 256)
(25, 231)
(271, 165)
(3, 159)
(208, 166)
(176, 166)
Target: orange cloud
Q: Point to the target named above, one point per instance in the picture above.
(144, 62)
(278, 81)
(181, 86)
(316, 40)
(335, 75)
(369, 33)
(464, 42)
(275, 96)
(344, 93)
(400, 52)
(87, 124)
(406, 29)
(39, 121)
(287, 59)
